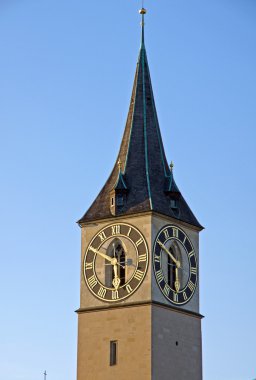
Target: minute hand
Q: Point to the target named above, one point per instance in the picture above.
(168, 252)
(101, 254)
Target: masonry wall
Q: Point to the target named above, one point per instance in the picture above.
(176, 345)
(131, 327)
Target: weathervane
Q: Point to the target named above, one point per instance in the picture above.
(45, 374)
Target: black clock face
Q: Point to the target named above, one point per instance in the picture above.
(115, 262)
(175, 265)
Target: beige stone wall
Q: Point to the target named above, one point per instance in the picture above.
(131, 327)
(171, 361)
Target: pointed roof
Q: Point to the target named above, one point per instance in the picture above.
(120, 183)
(170, 187)
(141, 164)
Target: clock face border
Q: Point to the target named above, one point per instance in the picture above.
(184, 295)
(116, 230)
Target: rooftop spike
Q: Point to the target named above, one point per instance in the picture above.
(142, 11)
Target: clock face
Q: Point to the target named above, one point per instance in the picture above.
(175, 265)
(115, 262)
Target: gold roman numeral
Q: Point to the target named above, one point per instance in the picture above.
(175, 232)
(166, 234)
(142, 258)
(140, 241)
(185, 296)
(102, 236)
(116, 230)
(159, 275)
(88, 266)
(102, 292)
(128, 288)
(166, 290)
(115, 295)
(191, 286)
(128, 233)
(157, 259)
(92, 281)
(193, 270)
(175, 297)
(139, 275)
(190, 254)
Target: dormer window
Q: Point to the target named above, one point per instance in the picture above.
(174, 204)
(119, 200)
(118, 193)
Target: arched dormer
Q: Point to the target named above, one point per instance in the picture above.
(118, 193)
(172, 190)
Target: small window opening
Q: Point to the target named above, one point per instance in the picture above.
(113, 352)
(177, 343)
(174, 204)
(112, 201)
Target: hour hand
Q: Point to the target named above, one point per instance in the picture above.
(116, 281)
(177, 282)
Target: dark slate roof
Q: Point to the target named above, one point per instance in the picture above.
(144, 169)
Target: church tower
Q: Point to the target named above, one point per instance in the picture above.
(139, 313)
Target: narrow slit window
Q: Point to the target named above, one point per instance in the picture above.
(113, 352)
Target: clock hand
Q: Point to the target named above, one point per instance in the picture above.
(101, 254)
(177, 283)
(169, 253)
(121, 265)
(173, 265)
(117, 264)
(116, 281)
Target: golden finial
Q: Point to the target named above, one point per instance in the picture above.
(142, 11)
(171, 166)
(119, 163)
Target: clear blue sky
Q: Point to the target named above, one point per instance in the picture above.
(66, 72)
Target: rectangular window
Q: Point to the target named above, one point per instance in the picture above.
(113, 352)
(174, 204)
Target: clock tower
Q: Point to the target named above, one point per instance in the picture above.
(139, 306)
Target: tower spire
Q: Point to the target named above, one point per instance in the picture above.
(142, 11)
(142, 181)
